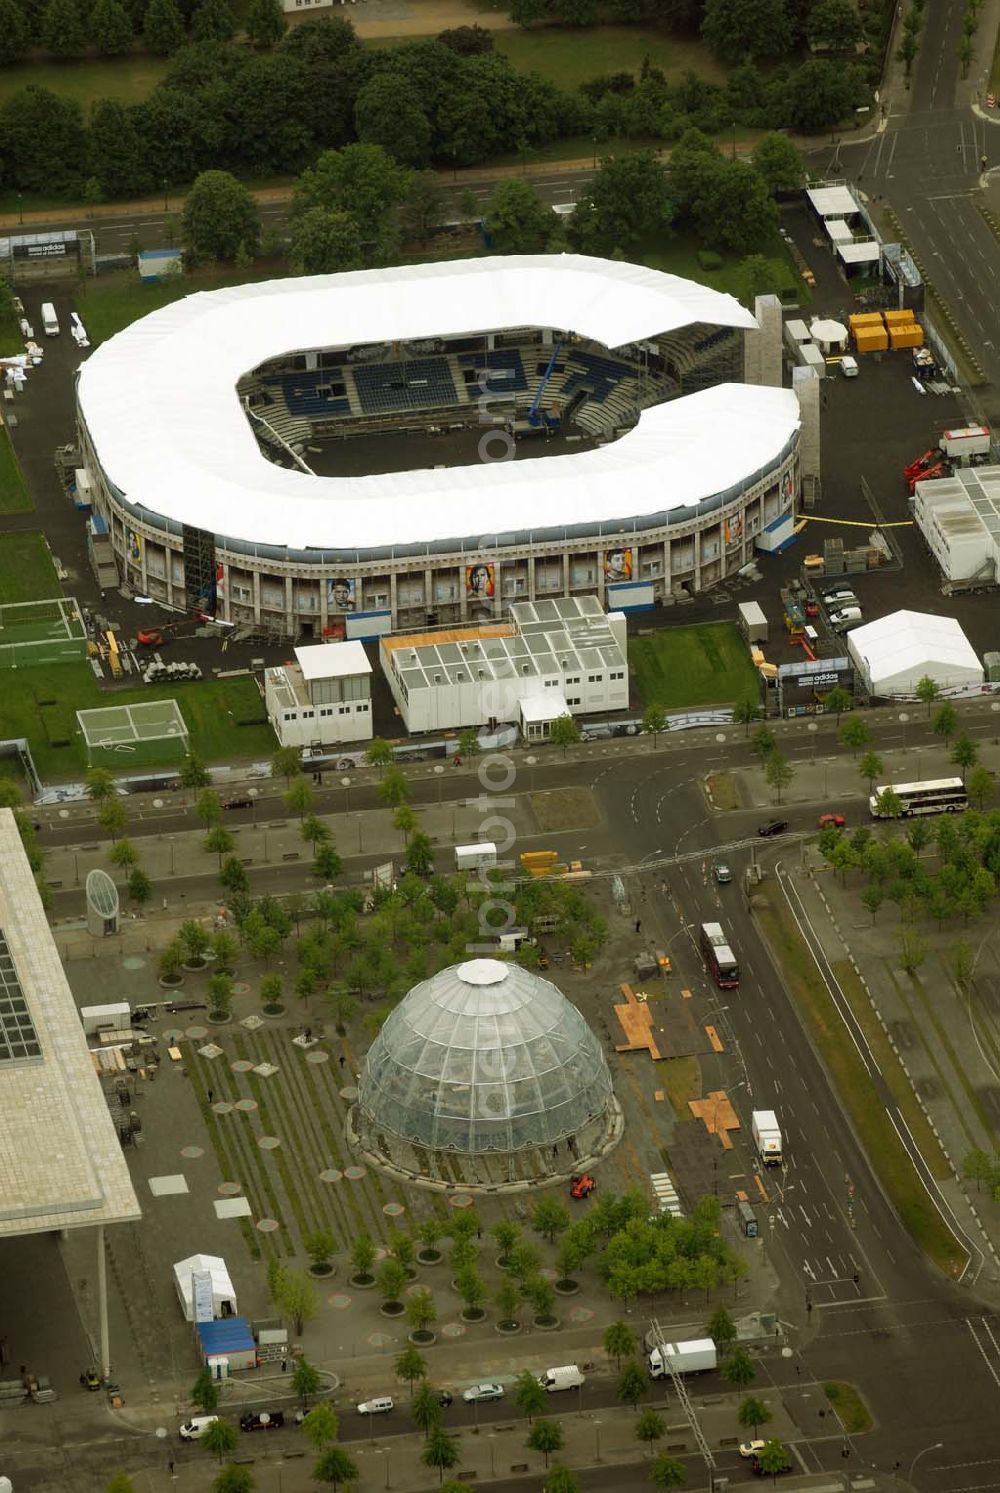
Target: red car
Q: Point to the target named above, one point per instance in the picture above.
(812, 608)
(582, 1187)
(832, 821)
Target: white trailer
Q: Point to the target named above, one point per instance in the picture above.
(970, 440)
(113, 1018)
(796, 332)
(474, 857)
(696, 1356)
(767, 1136)
(50, 321)
(753, 623)
(810, 356)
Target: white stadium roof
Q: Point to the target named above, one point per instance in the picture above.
(159, 401)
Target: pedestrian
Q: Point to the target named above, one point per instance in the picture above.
(284, 1365)
(342, 1060)
(211, 1095)
(170, 1466)
(638, 925)
(309, 1032)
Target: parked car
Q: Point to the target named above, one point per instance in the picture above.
(832, 821)
(476, 1393)
(722, 873)
(241, 801)
(811, 609)
(840, 596)
(195, 1428)
(773, 827)
(751, 1448)
(846, 618)
(262, 1420)
(380, 1406)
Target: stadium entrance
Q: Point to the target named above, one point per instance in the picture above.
(30, 257)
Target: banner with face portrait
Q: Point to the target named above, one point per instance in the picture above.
(340, 594)
(618, 565)
(133, 547)
(480, 582)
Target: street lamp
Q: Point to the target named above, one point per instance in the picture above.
(597, 1440)
(935, 1448)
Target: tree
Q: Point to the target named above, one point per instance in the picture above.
(721, 1328)
(213, 21)
(980, 786)
(654, 719)
(220, 217)
(425, 1408)
(390, 113)
(220, 991)
(394, 788)
(120, 1483)
(778, 773)
(272, 988)
(649, 1427)
(314, 832)
(420, 1308)
(205, 1393)
(193, 773)
(335, 1466)
(763, 742)
(889, 805)
(440, 1451)
(964, 754)
(912, 951)
(306, 1381)
(779, 163)
(836, 701)
(667, 1472)
(632, 1384)
(508, 1302)
(628, 198)
(219, 1437)
(233, 876)
(753, 1414)
(506, 1233)
(323, 241)
(420, 854)
(405, 820)
(745, 712)
(979, 1166)
(139, 887)
(564, 732)
(208, 807)
(163, 28)
(411, 1366)
(327, 863)
(619, 1341)
(529, 1396)
(123, 854)
(854, 734)
(392, 1280)
(219, 842)
(194, 940)
(927, 691)
(62, 29)
(265, 23)
(546, 1436)
(561, 1480)
(170, 960)
(470, 1286)
(379, 753)
(734, 211)
(423, 206)
(297, 1299)
(286, 762)
(945, 722)
(111, 816)
(100, 784)
(320, 1246)
(871, 767)
(737, 29)
(363, 1254)
(362, 180)
(517, 220)
(321, 1425)
(773, 1458)
(549, 1218)
(14, 36)
(234, 1479)
(110, 28)
(542, 1296)
(738, 1369)
(834, 25)
(299, 795)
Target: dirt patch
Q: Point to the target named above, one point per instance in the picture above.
(722, 793)
(563, 809)
(680, 1078)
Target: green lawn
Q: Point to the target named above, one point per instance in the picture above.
(680, 257)
(41, 703)
(571, 55)
(26, 569)
(130, 79)
(680, 666)
(13, 493)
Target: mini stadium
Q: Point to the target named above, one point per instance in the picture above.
(346, 455)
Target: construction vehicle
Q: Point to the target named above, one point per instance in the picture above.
(583, 1186)
(936, 469)
(794, 618)
(155, 637)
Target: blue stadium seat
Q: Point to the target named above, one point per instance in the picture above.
(417, 383)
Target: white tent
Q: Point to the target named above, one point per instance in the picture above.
(897, 651)
(212, 1267)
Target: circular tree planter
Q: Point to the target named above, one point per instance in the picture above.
(545, 1324)
(566, 1287)
(473, 1314)
(321, 1272)
(508, 1329)
(273, 1010)
(501, 1263)
(194, 966)
(361, 1282)
(220, 1018)
(392, 1308)
(171, 982)
(422, 1337)
(429, 1257)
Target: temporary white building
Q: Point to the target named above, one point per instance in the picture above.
(195, 1278)
(896, 652)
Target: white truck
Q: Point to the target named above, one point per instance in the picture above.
(473, 857)
(767, 1136)
(50, 321)
(970, 440)
(752, 621)
(696, 1356)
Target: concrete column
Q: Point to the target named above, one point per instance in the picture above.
(392, 598)
(290, 622)
(256, 595)
(762, 362)
(806, 388)
(429, 591)
(102, 1304)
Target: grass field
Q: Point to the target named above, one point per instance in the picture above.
(570, 56)
(41, 703)
(13, 493)
(852, 1412)
(26, 569)
(129, 79)
(680, 257)
(859, 1097)
(681, 666)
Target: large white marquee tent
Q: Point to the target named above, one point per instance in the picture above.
(894, 653)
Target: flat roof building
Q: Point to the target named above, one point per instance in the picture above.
(324, 698)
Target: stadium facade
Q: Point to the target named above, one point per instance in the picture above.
(677, 447)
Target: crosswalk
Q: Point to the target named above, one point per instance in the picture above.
(665, 1194)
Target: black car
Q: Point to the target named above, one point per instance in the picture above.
(262, 1420)
(773, 827)
(239, 802)
(443, 1398)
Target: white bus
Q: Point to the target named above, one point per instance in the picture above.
(936, 796)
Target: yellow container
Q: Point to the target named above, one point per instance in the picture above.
(871, 340)
(864, 319)
(898, 318)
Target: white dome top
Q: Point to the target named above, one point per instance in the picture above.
(484, 1056)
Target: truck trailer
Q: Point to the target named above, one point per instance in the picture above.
(970, 440)
(696, 1356)
(767, 1136)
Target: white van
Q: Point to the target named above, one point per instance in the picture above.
(50, 322)
(567, 1377)
(195, 1428)
(845, 619)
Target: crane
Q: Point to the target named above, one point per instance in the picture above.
(534, 418)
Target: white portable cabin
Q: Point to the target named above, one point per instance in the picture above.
(472, 857)
(113, 1018)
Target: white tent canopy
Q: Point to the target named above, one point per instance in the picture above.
(896, 652)
(223, 1290)
(159, 403)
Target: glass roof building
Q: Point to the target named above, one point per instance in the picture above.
(484, 1057)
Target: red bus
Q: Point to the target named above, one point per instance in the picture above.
(719, 957)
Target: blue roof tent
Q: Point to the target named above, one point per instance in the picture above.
(228, 1337)
(159, 264)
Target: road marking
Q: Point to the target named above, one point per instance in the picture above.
(982, 1350)
(805, 1215)
(809, 1271)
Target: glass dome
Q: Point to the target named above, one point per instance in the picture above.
(484, 1056)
